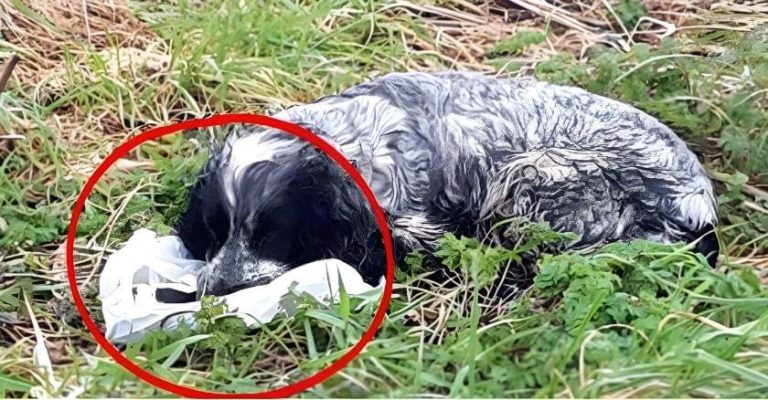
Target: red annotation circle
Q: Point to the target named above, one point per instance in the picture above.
(217, 120)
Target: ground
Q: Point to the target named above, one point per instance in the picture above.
(632, 320)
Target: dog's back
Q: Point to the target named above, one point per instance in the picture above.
(447, 150)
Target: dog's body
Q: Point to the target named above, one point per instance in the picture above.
(443, 152)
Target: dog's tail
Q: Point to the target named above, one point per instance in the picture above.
(707, 243)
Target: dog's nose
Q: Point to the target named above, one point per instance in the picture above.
(223, 281)
(217, 286)
(221, 276)
(234, 268)
(212, 285)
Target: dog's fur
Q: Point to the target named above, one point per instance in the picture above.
(443, 152)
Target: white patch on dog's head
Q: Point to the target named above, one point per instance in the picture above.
(255, 147)
(241, 151)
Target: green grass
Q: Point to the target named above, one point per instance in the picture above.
(633, 319)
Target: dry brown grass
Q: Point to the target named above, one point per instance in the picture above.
(55, 29)
(59, 38)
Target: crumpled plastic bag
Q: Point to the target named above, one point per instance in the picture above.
(133, 275)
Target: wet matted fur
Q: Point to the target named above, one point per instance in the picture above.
(443, 152)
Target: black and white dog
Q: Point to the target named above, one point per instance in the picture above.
(443, 152)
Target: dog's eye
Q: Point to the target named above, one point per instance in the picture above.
(210, 254)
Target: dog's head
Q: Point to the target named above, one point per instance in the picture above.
(272, 215)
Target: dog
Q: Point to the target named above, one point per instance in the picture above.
(443, 152)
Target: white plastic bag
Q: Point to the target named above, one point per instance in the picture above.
(146, 263)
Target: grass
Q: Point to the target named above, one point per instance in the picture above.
(631, 320)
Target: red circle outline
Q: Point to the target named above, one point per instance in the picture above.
(217, 120)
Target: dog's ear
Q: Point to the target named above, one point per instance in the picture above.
(204, 225)
(318, 205)
(318, 169)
